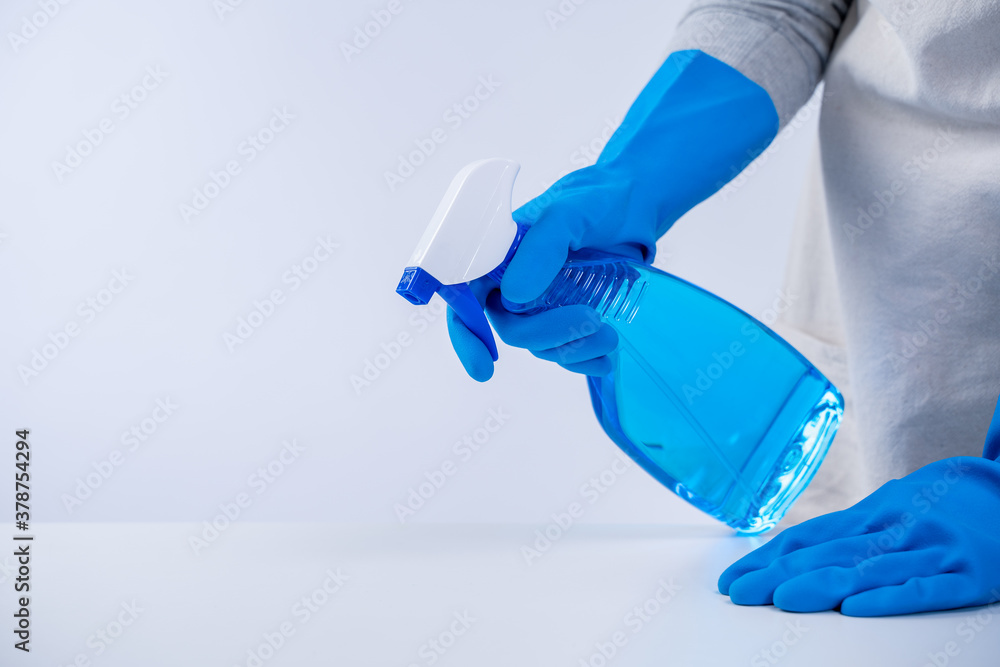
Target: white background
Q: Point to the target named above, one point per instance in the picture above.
(162, 336)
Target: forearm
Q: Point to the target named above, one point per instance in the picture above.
(782, 45)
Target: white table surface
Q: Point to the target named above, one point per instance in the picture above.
(406, 584)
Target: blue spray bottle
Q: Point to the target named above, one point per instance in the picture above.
(705, 398)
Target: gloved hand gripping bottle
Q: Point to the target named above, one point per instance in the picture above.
(705, 398)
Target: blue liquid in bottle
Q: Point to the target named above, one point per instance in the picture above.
(705, 398)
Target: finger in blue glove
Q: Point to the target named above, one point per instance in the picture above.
(572, 336)
(472, 352)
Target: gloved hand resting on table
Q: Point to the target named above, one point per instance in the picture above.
(926, 542)
(693, 128)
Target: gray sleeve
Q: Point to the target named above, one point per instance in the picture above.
(783, 45)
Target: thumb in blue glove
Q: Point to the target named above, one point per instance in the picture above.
(572, 336)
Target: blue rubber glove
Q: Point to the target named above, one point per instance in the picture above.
(692, 129)
(926, 542)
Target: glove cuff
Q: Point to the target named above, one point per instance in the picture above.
(696, 125)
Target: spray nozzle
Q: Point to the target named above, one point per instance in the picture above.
(471, 235)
